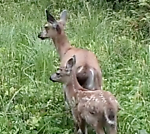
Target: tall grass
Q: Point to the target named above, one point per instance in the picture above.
(31, 104)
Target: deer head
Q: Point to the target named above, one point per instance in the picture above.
(63, 74)
(53, 28)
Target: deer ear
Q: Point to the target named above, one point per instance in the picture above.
(63, 16)
(50, 18)
(71, 62)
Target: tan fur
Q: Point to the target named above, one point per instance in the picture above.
(85, 58)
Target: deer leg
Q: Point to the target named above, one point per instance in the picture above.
(98, 128)
(112, 129)
(79, 124)
(82, 127)
(76, 128)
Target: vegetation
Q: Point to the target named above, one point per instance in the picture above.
(117, 33)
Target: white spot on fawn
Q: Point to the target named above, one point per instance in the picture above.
(102, 97)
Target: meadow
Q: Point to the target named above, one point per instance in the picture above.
(31, 104)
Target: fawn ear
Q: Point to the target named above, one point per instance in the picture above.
(50, 18)
(71, 62)
(63, 16)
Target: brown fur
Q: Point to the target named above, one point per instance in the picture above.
(65, 50)
(97, 108)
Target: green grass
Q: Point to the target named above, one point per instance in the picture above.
(31, 104)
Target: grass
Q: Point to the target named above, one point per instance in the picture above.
(31, 104)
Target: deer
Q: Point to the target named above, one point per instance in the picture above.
(97, 108)
(86, 60)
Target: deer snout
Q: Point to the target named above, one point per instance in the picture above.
(39, 36)
(51, 79)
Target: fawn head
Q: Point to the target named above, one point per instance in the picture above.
(63, 73)
(53, 28)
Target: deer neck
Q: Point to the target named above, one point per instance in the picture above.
(62, 44)
(72, 88)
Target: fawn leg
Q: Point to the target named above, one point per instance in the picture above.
(98, 128)
(82, 127)
(76, 128)
(112, 129)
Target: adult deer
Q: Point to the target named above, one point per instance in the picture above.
(87, 67)
(97, 108)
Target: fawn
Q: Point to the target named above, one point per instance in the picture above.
(97, 108)
(85, 60)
